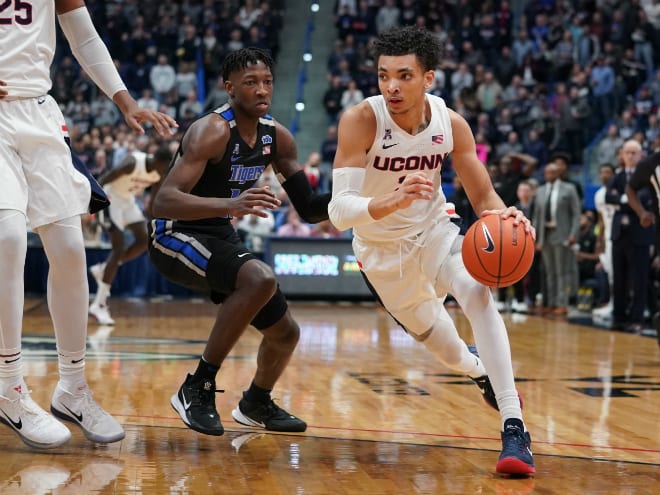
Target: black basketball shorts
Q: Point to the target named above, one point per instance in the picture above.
(207, 263)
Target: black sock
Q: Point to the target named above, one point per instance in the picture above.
(205, 371)
(256, 394)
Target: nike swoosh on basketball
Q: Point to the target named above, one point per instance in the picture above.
(243, 254)
(490, 247)
(16, 424)
(79, 417)
(386, 146)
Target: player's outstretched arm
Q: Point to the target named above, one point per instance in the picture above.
(124, 168)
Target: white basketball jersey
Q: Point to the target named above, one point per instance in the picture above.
(27, 45)
(394, 154)
(131, 185)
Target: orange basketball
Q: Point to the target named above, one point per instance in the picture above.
(497, 253)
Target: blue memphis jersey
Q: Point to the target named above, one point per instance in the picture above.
(240, 166)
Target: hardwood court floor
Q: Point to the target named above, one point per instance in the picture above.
(384, 417)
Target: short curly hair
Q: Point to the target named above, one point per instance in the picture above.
(240, 59)
(409, 40)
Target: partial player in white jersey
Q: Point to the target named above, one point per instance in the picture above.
(124, 185)
(387, 187)
(605, 215)
(38, 182)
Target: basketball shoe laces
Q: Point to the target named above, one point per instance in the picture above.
(28, 410)
(93, 414)
(203, 398)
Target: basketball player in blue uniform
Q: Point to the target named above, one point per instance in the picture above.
(39, 183)
(386, 186)
(193, 243)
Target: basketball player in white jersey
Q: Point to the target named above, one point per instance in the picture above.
(124, 184)
(39, 183)
(386, 186)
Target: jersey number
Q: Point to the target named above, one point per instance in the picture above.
(22, 12)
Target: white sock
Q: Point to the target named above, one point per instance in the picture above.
(11, 368)
(68, 289)
(71, 366)
(490, 335)
(102, 294)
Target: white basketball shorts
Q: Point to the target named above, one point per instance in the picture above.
(123, 211)
(406, 273)
(37, 176)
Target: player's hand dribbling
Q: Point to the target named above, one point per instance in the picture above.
(254, 201)
(414, 186)
(518, 216)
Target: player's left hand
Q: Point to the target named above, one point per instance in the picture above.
(518, 218)
(162, 122)
(3, 92)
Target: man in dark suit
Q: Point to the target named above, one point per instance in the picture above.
(647, 177)
(557, 221)
(631, 245)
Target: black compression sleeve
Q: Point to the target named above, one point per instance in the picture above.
(311, 207)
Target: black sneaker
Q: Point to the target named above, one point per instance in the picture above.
(483, 382)
(267, 415)
(195, 403)
(516, 456)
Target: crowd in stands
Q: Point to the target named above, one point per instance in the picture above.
(535, 79)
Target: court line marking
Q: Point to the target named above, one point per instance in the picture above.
(422, 434)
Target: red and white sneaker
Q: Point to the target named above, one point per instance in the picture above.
(35, 426)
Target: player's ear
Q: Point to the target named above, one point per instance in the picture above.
(229, 88)
(429, 76)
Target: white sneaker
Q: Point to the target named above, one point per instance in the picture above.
(81, 408)
(35, 426)
(518, 307)
(97, 272)
(603, 311)
(101, 313)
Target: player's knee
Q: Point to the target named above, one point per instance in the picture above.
(473, 296)
(420, 337)
(257, 278)
(13, 241)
